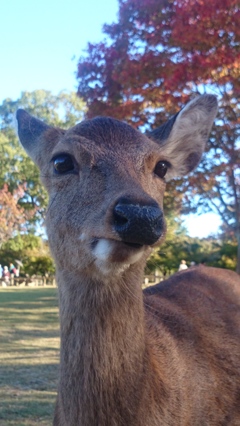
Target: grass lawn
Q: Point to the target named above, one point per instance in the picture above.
(29, 355)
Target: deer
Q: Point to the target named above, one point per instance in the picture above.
(167, 355)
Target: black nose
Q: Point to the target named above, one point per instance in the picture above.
(138, 223)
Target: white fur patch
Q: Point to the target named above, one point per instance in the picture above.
(135, 257)
(103, 250)
(82, 237)
(113, 268)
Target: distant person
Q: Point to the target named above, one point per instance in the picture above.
(183, 265)
(12, 268)
(6, 274)
(1, 271)
(192, 264)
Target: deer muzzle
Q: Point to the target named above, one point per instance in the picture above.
(138, 223)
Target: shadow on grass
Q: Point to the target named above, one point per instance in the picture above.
(29, 355)
(27, 407)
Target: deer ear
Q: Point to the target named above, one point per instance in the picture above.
(184, 136)
(34, 133)
(29, 130)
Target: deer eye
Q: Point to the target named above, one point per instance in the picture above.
(63, 163)
(161, 168)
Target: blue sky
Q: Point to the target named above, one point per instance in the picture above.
(40, 38)
(41, 42)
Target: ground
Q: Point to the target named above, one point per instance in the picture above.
(29, 355)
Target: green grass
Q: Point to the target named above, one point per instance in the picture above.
(29, 355)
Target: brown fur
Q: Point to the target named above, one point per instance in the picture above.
(168, 356)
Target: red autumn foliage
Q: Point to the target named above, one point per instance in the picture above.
(12, 215)
(153, 60)
(157, 54)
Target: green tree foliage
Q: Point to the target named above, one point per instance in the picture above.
(22, 198)
(227, 255)
(212, 251)
(178, 246)
(39, 265)
(16, 168)
(31, 250)
(158, 55)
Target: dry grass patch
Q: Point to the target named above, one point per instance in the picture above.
(29, 356)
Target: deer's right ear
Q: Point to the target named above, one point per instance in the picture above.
(34, 133)
(183, 137)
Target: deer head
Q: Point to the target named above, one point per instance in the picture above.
(106, 183)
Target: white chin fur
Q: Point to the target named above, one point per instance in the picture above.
(104, 249)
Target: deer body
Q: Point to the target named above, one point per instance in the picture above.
(168, 356)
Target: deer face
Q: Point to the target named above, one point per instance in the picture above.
(106, 183)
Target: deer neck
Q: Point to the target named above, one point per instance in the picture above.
(102, 349)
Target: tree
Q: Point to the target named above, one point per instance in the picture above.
(167, 258)
(39, 265)
(12, 215)
(16, 168)
(158, 55)
(211, 251)
(31, 250)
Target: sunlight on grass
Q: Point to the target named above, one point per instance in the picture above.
(29, 355)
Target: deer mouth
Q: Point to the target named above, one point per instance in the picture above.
(120, 243)
(133, 245)
(107, 251)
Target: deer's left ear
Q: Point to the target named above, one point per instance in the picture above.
(34, 133)
(184, 136)
(29, 129)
